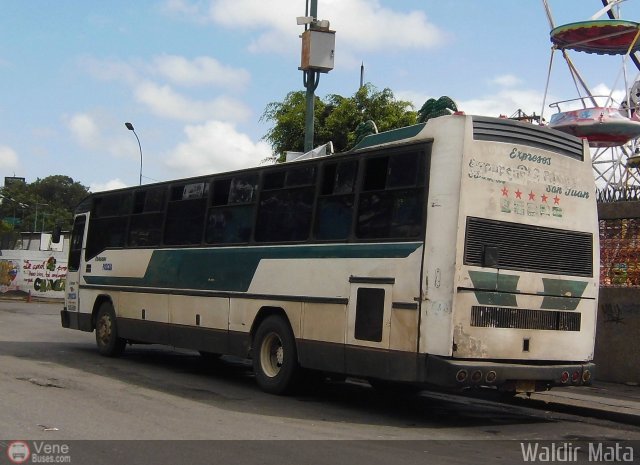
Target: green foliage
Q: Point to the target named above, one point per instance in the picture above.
(54, 197)
(336, 119)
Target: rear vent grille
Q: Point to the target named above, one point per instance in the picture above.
(513, 132)
(529, 248)
(500, 317)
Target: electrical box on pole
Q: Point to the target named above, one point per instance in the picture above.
(318, 50)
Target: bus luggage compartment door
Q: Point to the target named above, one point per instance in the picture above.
(368, 326)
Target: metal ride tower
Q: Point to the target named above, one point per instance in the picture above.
(611, 128)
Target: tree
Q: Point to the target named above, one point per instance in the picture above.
(54, 198)
(336, 118)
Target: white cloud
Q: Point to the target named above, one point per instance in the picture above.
(215, 147)
(361, 25)
(107, 186)
(506, 80)
(8, 158)
(85, 130)
(163, 101)
(111, 70)
(200, 71)
(604, 92)
(366, 25)
(505, 101)
(181, 7)
(418, 98)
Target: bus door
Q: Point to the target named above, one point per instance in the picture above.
(368, 325)
(75, 260)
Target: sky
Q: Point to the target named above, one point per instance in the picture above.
(194, 76)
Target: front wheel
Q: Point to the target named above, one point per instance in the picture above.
(275, 358)
(107, 339)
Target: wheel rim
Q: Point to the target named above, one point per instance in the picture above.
(104, 330)
(271, 355)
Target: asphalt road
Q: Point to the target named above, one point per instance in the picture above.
(55, 387)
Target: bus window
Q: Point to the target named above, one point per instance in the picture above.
(230, 219)
(185, 214)
(390, 206)
(76, 243)
(145, 228)
(108, 225)
(285, 215)
(335, 205)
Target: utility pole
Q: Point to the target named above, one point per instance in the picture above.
(318, 44)
(311, 79)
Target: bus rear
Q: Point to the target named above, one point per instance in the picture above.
(511, 257)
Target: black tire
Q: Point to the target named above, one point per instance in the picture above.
(107, 339)
(275, 357)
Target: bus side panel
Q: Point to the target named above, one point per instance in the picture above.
(323, 337)
(143, 317)
(440, 247)
(199, 323)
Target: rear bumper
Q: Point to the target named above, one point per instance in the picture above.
(461, 374)
(76, 320)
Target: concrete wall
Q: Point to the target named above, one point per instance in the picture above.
(36, 267)
(617, 352)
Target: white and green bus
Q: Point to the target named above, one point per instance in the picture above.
(456, 253)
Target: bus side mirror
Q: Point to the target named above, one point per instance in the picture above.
(55, 236)
(490, 256)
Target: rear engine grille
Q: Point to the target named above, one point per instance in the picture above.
(501, 317)
(529, 248)
(513, 132)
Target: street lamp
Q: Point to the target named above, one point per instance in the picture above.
(129, 126)
(35, 221)
(15, 204)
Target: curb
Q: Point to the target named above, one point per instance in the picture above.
(555, 404)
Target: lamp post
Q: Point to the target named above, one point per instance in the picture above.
(15, 204)
(35, 221)
(129, 126)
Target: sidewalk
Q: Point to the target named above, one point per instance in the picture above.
(616, 402)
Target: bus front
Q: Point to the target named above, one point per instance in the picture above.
(512, 301)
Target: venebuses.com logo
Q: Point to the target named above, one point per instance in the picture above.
(18, 452)
(21, 452)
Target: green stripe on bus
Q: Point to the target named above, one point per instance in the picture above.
(562, 294)
(505, 284)
(232, 269)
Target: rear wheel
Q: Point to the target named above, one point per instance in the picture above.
(275, 358)
(107, 339)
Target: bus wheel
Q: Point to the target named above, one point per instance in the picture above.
(109, 344)
(275, 359)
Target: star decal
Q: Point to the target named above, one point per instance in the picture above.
(544, 198)
(518, 194)
(532, 196)
(556, 200)
(505, 191)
